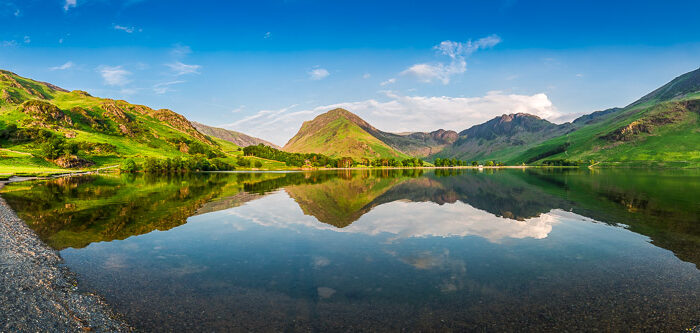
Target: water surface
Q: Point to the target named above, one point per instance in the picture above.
(389, 250)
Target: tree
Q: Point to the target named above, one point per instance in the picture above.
(475, 163)
(489, 163)
(53, 148)
(128, 166)
(258, 164)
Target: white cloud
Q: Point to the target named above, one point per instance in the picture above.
(8, 43)
(366, 75)
(426, 219)
(17, 13)
(238, 109)
(126, 29)
(164, 87)
(27, 40)
(182, 69)
(388, 82)
(267, 35)
(60, 40)
(114, 76)
(318, 73)
(180, 50)
(65, 66)
(69, 4)
(400, 113)
(457, 52)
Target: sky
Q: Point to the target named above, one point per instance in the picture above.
(263, 67)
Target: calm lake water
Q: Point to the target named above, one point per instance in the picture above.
(390, 250)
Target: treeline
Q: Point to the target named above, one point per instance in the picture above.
(176, 165)
(439, 162)
(193, 147)
(320, 160)
(291, 159)
(563, 162)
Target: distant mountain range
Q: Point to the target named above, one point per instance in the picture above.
(661, 127)
(237, 138)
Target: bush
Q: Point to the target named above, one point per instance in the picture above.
(258, 164)
(128, 166)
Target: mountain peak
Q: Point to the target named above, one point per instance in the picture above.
(339, 133)
(513, 116)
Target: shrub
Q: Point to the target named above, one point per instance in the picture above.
(128, 166)
(258, 164)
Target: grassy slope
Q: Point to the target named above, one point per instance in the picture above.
(676, 144)
(339, 137)
(138, 148)
(151, 140)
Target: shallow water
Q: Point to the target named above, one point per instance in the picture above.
(391, 250)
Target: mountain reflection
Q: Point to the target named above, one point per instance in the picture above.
(74, 212)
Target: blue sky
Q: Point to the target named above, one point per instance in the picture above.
(264, 67)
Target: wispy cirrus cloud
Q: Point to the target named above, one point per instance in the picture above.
(403, 113)
(128, 30)
(67, 65)
(318, 74)
(164, 87)
(114, 75)
(180, 68)
(457, 52)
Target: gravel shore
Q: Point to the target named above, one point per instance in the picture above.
(38, 293)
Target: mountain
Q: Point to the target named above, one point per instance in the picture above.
(339, 133)
(83, 131)
(237, 138)
(418, 144)
(660, 128)
(502, 136)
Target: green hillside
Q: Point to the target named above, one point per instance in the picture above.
(46, 129)
(660, 129)
(337, 133)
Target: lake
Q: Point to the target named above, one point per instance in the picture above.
(381, 250)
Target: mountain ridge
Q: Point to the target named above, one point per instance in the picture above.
(235, 137)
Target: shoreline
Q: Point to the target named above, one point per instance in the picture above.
(37, 292)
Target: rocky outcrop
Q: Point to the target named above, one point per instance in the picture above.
(668, 113)
(72, 162)
(115, 113)
(45, 114)
(9, 77)
(179, 122)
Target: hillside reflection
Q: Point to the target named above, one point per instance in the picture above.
(74, 212)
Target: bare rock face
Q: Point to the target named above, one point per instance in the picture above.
(45, 114)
